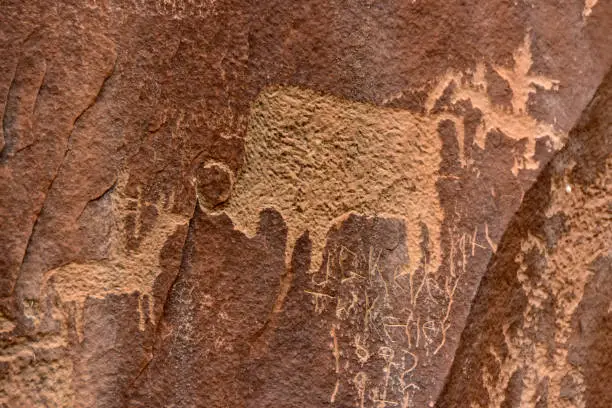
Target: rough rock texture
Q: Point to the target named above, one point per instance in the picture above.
(212, 203)
(540, 326)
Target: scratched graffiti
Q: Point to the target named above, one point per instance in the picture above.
(386, 322)
(320, 160)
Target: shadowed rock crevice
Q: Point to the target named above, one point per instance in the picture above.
(189, 358)
(63, 160)
(522, 320)
(353, 167)
(163, 286)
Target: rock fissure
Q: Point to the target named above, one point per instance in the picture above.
(289, 204)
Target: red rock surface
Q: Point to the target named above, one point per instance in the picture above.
(209, 203)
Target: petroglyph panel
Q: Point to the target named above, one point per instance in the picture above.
(272, 203)
(126, 270)
(316, 158)
(321, 161)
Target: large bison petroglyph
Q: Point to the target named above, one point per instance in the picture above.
(318, 158)
(315, 158)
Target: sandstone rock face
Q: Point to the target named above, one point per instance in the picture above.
(213, 203)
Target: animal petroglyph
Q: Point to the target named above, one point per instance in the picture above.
(316, 158)
(515, 124)
(124, 271)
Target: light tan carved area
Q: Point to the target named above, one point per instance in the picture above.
(588, 7)
(37, 373)
(562, 284)
(515, 123)
(125, 271)
(315, 158)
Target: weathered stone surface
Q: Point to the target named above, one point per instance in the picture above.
(232, 203)
(540, 321)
